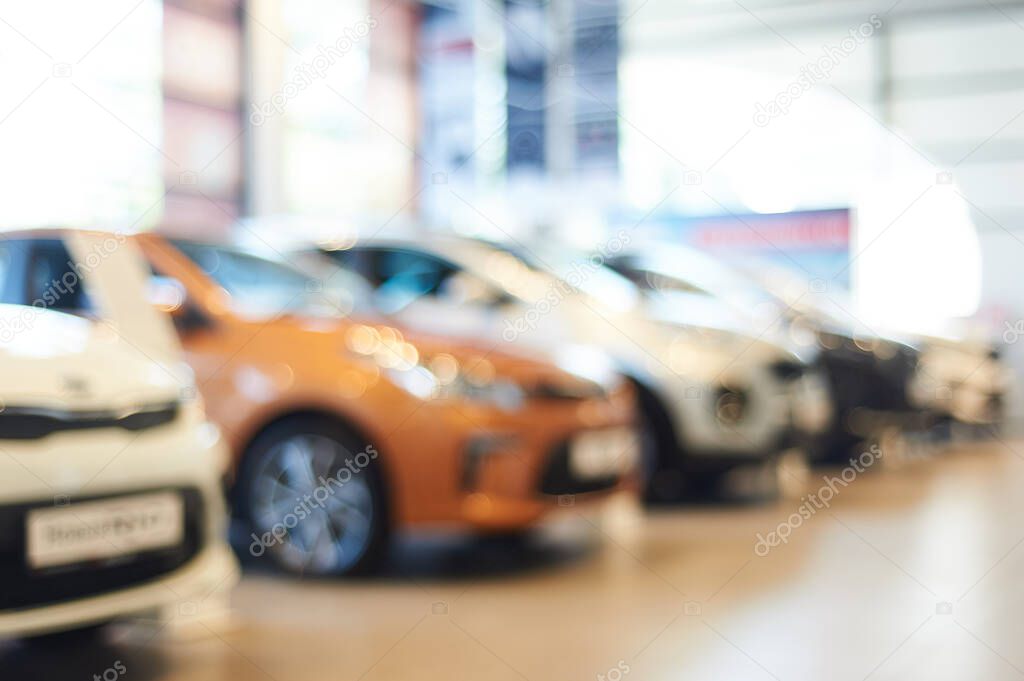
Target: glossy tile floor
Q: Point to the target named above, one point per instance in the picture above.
(913, 572)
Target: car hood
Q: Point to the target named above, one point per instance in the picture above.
(533, 372)
(629, 341)
(59, 361)
(671, 350)
(718, 323)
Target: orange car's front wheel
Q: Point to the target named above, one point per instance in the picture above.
(311, 492)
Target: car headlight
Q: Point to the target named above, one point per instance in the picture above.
(424, 384)
(418, 381)
(885, 350)
(500, 392)
(731, 406)
(441, 376)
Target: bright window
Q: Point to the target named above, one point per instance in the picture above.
(80, 113)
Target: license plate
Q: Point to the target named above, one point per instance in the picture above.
(603, 453)
(98, 530)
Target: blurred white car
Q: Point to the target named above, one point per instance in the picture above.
(963, 379)
(900, 378)
(954, 377)
(110, 475)
(714, 398)
(870, 377)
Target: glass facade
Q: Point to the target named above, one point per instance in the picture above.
(80, 114)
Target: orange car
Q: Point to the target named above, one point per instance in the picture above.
(344, 431)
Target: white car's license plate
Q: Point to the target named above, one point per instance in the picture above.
(98, 530)
(602, 453)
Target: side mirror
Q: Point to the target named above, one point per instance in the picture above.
(189, 319)
(167, 294)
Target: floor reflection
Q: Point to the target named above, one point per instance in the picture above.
(78, 658)
(911, 571)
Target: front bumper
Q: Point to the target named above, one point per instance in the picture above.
(25, 588)
(496, 497)
(69, 468)
(782, 411)
(810, 405)
(495, 470)
(976, 397)
(211, 572)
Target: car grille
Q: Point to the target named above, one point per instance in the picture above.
(30, 423)
(558, 478)
(577, 390)
(787, 370)
(24, 588)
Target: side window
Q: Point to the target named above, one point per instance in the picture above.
(5, 269)
(660, 282)
(258, 286)
(52, 279)
(650, 280)
(205, 257)
(410, 274)
(355, 260)
(13, 263)
(630, 270)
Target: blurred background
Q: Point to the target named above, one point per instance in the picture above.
(876, 144)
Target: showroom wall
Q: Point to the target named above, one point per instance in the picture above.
(615, 110)
(79, 119)
(331, 107)
(518, 111)
(202, 114)
(129, 112)
(931, 96)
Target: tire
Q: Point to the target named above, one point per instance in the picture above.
(512, 538)
(312, 494)
(706, 485)
(834, 446)
(661, 479)
(78, 637)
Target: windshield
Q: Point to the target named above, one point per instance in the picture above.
(832, 304)
(260, 287)
(582, 272)
(590, 275)
(681, 270)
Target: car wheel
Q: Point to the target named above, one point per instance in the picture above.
(707, 485)
(312, 494)
(661, 480)
(836, 444)
(70, 638)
